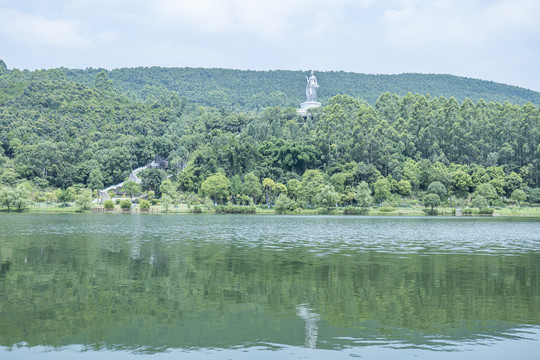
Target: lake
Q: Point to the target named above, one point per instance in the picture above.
(268, 287)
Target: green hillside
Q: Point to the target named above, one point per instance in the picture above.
(89, 133)
(247, 90)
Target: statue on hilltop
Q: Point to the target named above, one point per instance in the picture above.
(311, 88)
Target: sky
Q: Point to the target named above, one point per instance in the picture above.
(495, 40)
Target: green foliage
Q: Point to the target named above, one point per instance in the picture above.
(102, 82)
(144, 205)
(487, 211)
(533, 196)
(216, 187)
(239, 89)
(487, 191)
(404, 187)
(381, 190)
(125, 204)
(479, 202)
(167, 188)
(221, 209)
(166, 200)
(353, 210)
(363, 195)
(66, 195)
(196, 209)
(7, 197)
(284, 203)
(95, 179)
(438, 188)
(108, 205)
(518, 196)
(151, 180)
(312, 182)
(432, 200)
(84, 199)
(327, 197)
(56, 132)
(252, 187)
(14, 197)
(131, 188)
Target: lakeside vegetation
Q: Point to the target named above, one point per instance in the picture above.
(62, 141)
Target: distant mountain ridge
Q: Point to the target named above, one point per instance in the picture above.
(248, 89)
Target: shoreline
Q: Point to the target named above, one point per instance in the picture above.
(204, 210)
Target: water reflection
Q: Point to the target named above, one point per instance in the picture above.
(321, 283)
(312, 330)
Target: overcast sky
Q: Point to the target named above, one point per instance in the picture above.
(496, 40)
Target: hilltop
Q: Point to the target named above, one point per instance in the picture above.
(248, 90)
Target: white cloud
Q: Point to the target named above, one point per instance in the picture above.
(273, 21)
(36, 29)
(417, 23)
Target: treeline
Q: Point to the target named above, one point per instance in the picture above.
(248, 90)
(56, 133)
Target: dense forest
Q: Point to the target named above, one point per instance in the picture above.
(61, 130)
(249, 90)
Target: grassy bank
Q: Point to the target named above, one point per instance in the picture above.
(206, 209)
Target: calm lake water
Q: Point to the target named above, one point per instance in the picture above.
(268, 287)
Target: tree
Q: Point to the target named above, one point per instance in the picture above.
(327, 196)
(363, 195)
(216, 187)
(479, 202)
(66, 195)
(7, 197)
(252, 187)
(461, 181)
(272, 190)
(168, 188)
(487, 191)
(131, 188)
(338, 180)
(513, 182)
(151, 180)
(436, 187)
(166, 200)
(84, 199)
(102, 82)
(95, 179)
(432, 200)
(404, 187)
(293, 188)
(284, 203)
(519, 196)
(381, 190)
(312, 181)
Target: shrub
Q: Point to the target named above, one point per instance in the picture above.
(486, 211)
(221, 209)
(125, 204)
(196, 209)
(108, 205)
(431, 212)
(284, 203)
(467, 211)
(386, 209)
(144, 205)
(353, 210)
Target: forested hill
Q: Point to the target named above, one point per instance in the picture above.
(248, 90)
(62, 131)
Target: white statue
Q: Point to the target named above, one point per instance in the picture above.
(311, 88)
